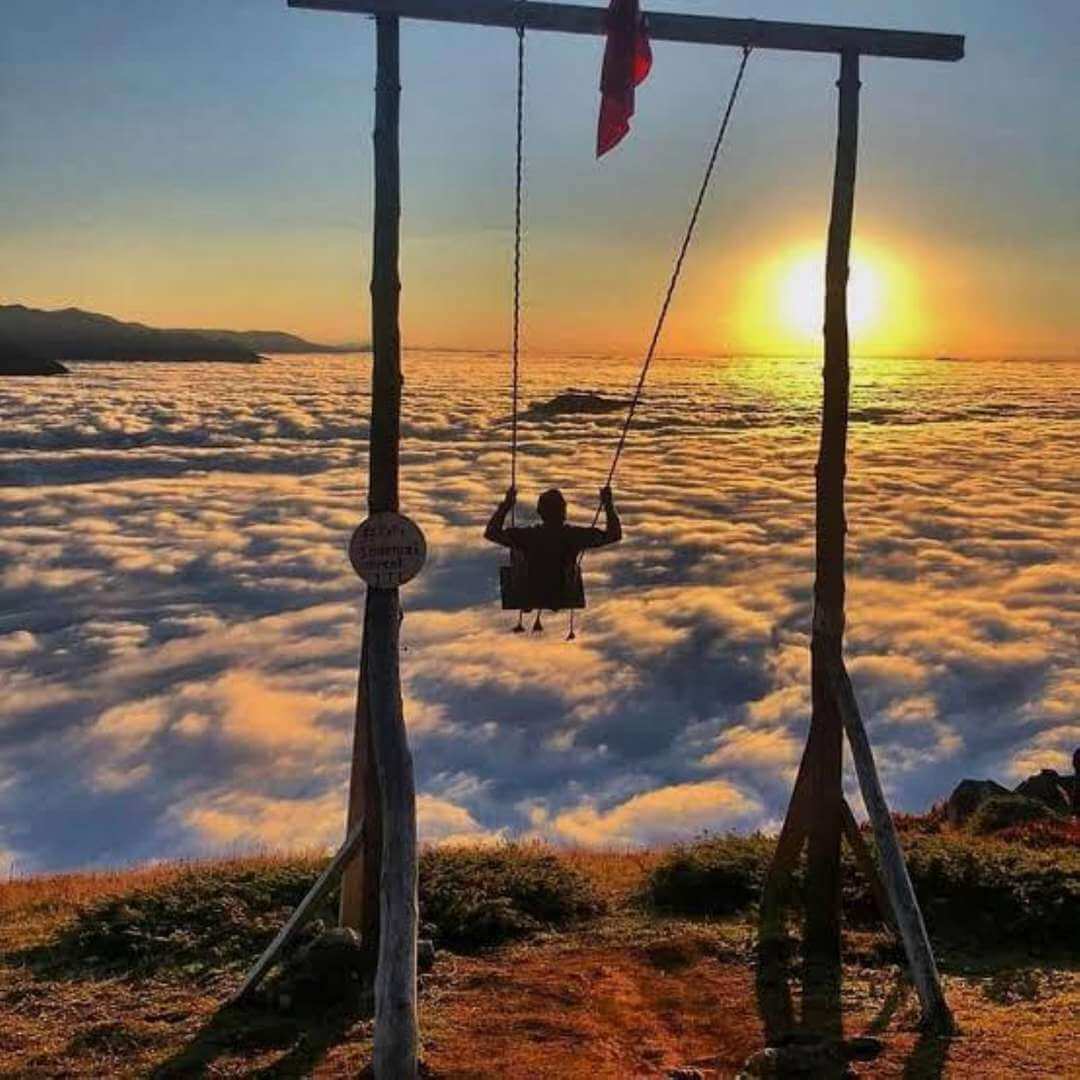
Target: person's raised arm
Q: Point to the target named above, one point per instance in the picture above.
(612, 524)
(495, 531)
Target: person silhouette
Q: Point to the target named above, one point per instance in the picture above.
(544, 557)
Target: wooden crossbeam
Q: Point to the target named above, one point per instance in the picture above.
(664, 26)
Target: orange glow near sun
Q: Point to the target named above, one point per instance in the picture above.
(782, 303)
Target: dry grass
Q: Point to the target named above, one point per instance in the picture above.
(628, 995)
(617, 875)
(34, 908)
(57, 894)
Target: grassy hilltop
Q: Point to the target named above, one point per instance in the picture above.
(550, 963)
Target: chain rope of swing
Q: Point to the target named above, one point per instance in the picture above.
(519, 161)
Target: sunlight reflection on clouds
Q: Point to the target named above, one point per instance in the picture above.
(180, 627)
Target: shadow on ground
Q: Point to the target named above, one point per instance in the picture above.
(804, 1030)
(248, 1031)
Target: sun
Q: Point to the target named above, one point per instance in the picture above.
(779, 304)
(801, 296)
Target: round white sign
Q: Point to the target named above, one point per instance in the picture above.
(387, 550)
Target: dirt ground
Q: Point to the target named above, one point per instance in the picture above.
(629, 996)
(569, 1010)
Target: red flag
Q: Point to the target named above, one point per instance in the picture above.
(627, 59)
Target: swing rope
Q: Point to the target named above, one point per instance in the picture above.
(518, 198)
(673, 282)
(675, 273)
(516, 338)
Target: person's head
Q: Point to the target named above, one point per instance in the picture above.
(551, 506)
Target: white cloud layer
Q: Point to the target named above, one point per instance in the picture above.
(180, 625)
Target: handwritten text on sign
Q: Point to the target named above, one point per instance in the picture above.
(387, 550)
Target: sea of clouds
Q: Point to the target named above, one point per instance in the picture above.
(179, 625)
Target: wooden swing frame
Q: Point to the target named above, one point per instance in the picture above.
(379, 882)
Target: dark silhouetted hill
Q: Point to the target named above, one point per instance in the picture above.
(72, 334)
(15, 360)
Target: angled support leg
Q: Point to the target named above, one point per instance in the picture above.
(788, 848)
(865, 861)
(304, 910)
(901, 894)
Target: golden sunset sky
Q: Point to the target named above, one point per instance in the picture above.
(204, 164)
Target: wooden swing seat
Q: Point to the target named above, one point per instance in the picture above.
(521, 591)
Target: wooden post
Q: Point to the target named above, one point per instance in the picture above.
(396, 1029)
(359, 908)
(827, 636)
(817, 809)
(901, 894)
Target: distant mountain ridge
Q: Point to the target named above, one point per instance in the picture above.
(274, 341)
(73, 334)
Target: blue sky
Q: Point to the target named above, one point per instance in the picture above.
(207, 162)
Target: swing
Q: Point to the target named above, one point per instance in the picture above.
(524, 591)
(545, 560)
(528, 584)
